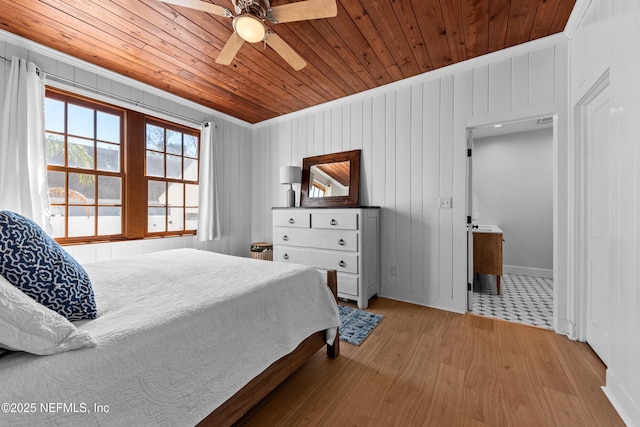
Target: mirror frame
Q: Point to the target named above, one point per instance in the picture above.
(351, 200)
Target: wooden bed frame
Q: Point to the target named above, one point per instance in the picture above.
(252, 393)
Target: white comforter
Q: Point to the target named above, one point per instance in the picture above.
(178, 333)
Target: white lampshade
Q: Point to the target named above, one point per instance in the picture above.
(290, 175)
(250, 28)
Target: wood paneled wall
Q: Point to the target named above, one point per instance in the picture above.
(412, 136)
(234, 162)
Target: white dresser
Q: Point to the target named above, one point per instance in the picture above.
(343, 239)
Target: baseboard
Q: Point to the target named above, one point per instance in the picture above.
(621, 400)
(528, 271)
(424, 300)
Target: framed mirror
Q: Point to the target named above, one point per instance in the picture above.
(331, 180)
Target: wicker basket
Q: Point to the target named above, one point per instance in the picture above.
(262, 250)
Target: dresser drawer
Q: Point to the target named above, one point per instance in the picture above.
(340, 261)
(341, 240)
(336, 220)
(291, 219)
(348, 284)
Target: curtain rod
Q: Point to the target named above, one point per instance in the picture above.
(113, 96)
(8, 60)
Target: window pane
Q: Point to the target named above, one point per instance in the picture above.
(81, 221)
(191, 219)
(57, 221)
(54, 115)
(82, 189)
(157, 193)
(174, 166)
(108, 157)
(176, 194)
(108, 127)
(190, 169)
(109, 190)
(55, 149)
(174, 142)
(192, 195)
(109, 220)
(190, 146)
(155, 164)
(156, 220)
(176, 219)
(155, 138)
(56, 182)
(80, 121)
(80, 153)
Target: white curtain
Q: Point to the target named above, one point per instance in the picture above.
(208, 217)
(23, 164)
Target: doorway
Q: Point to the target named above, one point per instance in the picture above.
(510, 204)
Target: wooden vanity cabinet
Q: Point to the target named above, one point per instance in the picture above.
(487, 253)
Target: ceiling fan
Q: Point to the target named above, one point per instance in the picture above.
(249, 23)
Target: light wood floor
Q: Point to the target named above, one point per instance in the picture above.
(429, 367)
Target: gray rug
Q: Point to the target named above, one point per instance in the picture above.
(356, 325)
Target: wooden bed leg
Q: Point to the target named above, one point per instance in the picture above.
(333, 351)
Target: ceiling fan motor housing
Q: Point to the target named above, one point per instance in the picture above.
(258, 8)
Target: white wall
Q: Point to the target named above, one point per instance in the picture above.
(412, 134)
(608, 38)
(234, 162)
(513, 188)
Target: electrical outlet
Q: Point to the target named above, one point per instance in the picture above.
(394, 270)
(445, 202)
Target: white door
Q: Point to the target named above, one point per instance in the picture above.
(598, 223)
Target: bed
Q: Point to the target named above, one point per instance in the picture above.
(182, 337)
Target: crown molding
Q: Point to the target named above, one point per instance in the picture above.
(479, 61)
(579, 9)
(489, 58)
(111, 75)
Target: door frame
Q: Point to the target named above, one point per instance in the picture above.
(469, 217)
(578, 270)
(549, 111)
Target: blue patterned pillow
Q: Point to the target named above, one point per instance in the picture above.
(34, 263)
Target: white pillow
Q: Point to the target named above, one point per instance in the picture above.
(26, 325)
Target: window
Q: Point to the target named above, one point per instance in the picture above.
(103, 162)
(84, 157)
(317, 189)
(171, 168)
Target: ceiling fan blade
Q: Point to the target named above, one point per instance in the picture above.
(230, 49)
(304, 10)
(214, 9)
(285, 51)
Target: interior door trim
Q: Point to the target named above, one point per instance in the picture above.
(578, 210)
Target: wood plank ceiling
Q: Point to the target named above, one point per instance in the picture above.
(368, 44)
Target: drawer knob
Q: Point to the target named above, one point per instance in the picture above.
(341, 242)
(291, 220)
(342, 264)
(285, 238)
(333, 222)
(285, 256)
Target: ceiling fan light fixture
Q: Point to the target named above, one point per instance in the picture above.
(250, 28)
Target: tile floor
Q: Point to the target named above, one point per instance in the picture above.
(522, 299)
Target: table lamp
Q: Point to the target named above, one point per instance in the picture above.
(290, 175)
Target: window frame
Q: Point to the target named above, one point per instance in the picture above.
(134, 189)
(185, 131)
